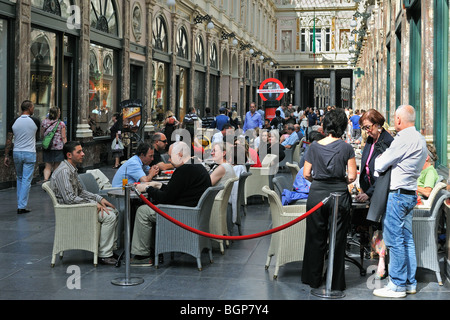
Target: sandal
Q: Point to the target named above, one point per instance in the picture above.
(116, 167)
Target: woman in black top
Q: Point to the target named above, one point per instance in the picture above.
(330, 165)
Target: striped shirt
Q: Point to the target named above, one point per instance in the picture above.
(67, 186)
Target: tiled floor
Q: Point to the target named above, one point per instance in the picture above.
(239, 274)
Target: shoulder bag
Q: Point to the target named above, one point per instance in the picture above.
(49, 137)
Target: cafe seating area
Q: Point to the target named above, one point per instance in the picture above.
(242, 273)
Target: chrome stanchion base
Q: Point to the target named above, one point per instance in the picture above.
(329, 294)
(127, 282)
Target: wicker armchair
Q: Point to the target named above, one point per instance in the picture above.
(261, 177)
(218, 222)
(172, 238)
(293, 169)
(287, 245)
(241, 199)
(289, 155)
(76, 227)
(424, 228)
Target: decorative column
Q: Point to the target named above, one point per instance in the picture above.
(173, 65)
(332, 87)
(148, 66)
(83, 129)
(125, 94)
(297, 90)
(191, 85)
(22, 44)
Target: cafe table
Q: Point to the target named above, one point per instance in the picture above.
(356, 205)
(124, 195)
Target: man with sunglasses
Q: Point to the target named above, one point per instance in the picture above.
(159, 143)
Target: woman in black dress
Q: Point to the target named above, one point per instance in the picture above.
(330, 165)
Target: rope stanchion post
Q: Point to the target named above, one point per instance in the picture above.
(127, 280)
(328, 292)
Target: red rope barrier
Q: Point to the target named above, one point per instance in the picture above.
(245, 237)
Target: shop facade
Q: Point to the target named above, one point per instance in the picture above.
(86, 57)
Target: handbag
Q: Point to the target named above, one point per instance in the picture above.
(116, 145)
(49, 137)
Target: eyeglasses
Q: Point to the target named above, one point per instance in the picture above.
(367, 128)
(163, 141)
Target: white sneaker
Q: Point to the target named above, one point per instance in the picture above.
(389, 293)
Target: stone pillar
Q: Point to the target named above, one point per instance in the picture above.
(22, 44)
(125, 90)
(173, 65)
(298, 91)
(332, 87)
(83, 129)
(148, 66)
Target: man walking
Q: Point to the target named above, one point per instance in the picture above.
(406, 156)
(252, 119)
(24, 131)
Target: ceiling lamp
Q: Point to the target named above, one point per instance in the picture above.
(170, 2)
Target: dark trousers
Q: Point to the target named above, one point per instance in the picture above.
(318, 226)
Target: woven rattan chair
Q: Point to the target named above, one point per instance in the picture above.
(261, 177)
(173, 238)
(287, 245)
(289, 155)
(424, 226)
(293, 169)
(218, 222)
(76, 227)
(240, 205)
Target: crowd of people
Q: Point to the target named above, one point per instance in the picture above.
(328, 163)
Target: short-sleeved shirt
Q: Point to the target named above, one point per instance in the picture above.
(329, 162)
(428, 178)
(134, 169)
(355, 121)
(25, 129)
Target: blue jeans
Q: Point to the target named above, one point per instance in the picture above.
(397, 234)
(24, 163)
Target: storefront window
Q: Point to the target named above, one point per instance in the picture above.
(159, 93)
(3, 78)
(43, 71)
(102, 89)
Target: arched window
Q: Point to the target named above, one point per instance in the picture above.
(57, 7)
(213, 57)
(103, 16)
(199, 51)
(182, 44)
(159, 40)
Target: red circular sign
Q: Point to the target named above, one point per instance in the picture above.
(279, 91)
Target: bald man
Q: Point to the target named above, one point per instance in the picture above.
(406, 156)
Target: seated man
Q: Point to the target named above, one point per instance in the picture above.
(159, 142)
(291, 139)
(429, 176)
(188, 183)
(137, 169)
(68, 190)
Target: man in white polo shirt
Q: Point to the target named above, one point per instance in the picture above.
(23, 129)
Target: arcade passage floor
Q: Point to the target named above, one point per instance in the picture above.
(25, 273)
